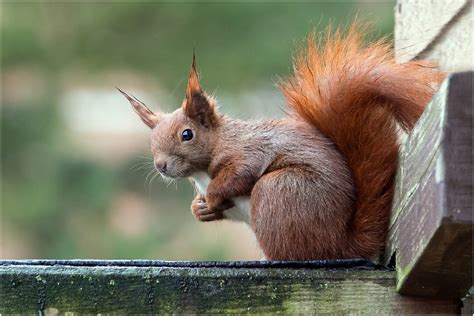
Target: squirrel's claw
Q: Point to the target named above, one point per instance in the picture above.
(203, 213)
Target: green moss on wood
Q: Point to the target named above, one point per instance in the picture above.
(113, 289)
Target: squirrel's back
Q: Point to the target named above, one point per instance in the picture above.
(355, 94)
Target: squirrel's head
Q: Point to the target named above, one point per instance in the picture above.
(182, 141)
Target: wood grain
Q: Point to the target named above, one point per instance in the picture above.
(431, 224)
(440, 31)
(157, 287)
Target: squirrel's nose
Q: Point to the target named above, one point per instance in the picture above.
(160, 166)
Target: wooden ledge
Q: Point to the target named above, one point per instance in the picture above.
(341, 286)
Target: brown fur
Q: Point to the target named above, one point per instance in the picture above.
(351, 92)
(320, 181)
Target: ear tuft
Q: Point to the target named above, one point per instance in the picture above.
(197, 105)
(147, 115)
(193, 81)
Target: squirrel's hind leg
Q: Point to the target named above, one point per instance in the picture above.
(294, 218)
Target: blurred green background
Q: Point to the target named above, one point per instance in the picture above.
(74, 156)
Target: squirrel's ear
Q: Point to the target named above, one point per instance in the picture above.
(193, 86)
(148, 117)
(197, 105)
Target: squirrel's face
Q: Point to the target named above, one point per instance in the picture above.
(181, 145)
(181, 142)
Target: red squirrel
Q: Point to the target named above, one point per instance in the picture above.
(317, 184)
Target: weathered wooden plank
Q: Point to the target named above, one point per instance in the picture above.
(431, 224)
(438, 30)
(334, 287)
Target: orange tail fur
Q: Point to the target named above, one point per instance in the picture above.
(352, 93)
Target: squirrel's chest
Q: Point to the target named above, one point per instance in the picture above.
(240, 212)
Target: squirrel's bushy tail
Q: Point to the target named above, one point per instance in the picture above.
(352, 93)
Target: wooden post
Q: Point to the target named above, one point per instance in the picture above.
(431, 225)
(438, 30)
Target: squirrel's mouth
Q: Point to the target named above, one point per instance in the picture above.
(168, 176)
(171, 167)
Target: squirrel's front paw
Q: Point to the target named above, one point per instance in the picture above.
(203, 213)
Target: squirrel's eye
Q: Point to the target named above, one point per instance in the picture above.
(186, 135)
